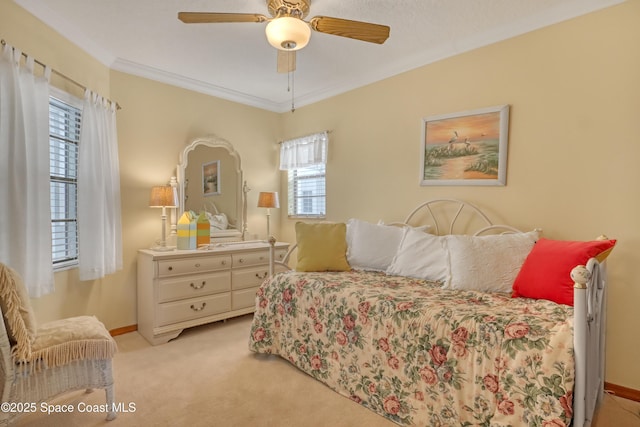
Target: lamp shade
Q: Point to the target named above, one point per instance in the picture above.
(288, 33)
(163, 196)
(268, 200)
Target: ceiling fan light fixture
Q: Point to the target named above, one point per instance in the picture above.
(288, 33)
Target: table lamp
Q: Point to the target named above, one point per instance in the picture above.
(163, 197)
(268, 200)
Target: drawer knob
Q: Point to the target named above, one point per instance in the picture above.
(170, 268)
(194, 286)
(194, 308)
(240, 260)
(224, 262)
(263, 276)
(197, 265)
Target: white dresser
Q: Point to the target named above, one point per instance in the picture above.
(181, 289)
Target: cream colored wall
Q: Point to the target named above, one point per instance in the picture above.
(20, 29)
(156, 122)
(575, 109)
(574, 145)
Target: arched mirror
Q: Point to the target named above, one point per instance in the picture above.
(210, 179)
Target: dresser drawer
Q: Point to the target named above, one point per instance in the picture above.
(173, 267)
(178, 311)
(194, 286)
(243, 298)
(249, 277)
(250, 258)
(278, 254)
(256, 258)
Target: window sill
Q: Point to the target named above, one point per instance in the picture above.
(307, 217)
(68, 265)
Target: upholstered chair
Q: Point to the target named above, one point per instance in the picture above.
(38, 363)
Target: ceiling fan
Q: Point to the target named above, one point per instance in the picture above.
(288, 32)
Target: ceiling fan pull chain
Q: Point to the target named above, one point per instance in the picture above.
(293, 108)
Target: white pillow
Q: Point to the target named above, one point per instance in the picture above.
(487, 263)
(371, 246)
(218, 221)
(421, 255)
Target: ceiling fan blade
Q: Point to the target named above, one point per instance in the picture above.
(286, 61)
(215, 18)
(365, 31)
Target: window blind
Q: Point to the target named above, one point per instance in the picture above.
(307, 191)
(64, 135)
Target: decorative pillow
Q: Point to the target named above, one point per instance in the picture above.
(546, 273)
(218, 221)
(487, 263)
(421, 255)
(322, 247)
(16, 308)
(371, 246)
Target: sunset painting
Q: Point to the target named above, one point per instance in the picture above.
(468, 148)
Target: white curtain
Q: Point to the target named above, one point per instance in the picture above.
(25, 220)
(304, 152)
(99, 220)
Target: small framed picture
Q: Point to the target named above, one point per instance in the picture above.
(465, 148)
(211, 178)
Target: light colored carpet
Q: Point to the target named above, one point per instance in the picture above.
(208, 377)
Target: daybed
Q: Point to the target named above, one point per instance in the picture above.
(455, 350)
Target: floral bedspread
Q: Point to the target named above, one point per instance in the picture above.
(420, 355)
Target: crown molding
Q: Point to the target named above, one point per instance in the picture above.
(181, 81)
(562, 12)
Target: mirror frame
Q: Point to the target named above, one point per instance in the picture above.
(215, 142)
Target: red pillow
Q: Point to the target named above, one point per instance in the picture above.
(546, 272)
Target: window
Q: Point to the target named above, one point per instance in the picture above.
(307, 201)
(64, 135)
(304, 159)
(307, 193)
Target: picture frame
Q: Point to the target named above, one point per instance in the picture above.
(465, 148)
(211, 178)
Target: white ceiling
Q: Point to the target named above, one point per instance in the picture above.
(235, 61)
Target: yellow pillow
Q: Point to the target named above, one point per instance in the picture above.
(322, 247)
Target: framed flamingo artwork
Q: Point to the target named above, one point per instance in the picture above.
(465, 148)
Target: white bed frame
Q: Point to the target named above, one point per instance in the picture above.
(589, 300)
